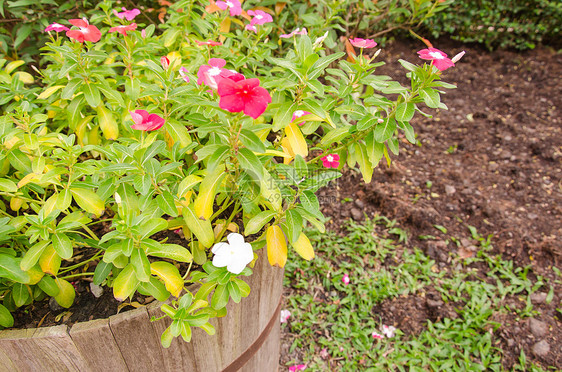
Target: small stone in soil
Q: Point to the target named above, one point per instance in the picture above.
(538, 297)
(359, 203)
(538, 328)
(450, 190)
(97, 290)
(356, 214)
(541, 348)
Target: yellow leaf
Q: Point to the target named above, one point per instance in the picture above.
(107, 123)
(125, 283)
(15, 204)
(88, 200)
(50, 204)
(13, 65)
(50, 261)
(225, 25)
(25, 77)
(170, 275)
(288, 153)
(276, 246)
(203, 204)
(66, 295)
(296, 139)
(175, 60)
(303, 247)
(35, 275)
(27, 179)
(49, 91)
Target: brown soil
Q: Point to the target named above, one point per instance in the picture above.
(492, 161)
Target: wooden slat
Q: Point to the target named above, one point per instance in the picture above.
(267, 358)
(180, 356)
(6, 363)
(135, 337)
(207, 349)
(97, 344)
(43, 349)
(270, 293)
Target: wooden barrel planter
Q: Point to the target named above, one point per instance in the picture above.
(247, 339)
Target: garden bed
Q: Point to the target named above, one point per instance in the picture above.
(491, 161)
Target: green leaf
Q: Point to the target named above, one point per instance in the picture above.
(405, 111)
(32, 255)
(10, 269)
(101, 272)
(88, 200)
(172, 251)
(49, 286)
(20, 294)
(92, 94)
(167, 204)
(220, 297)
(283, 115)
(152, 226)
(234, 291)
(430, 97)
(155, 288)
(409, 132)
(375, 150)
(6, 319)
(385, 130)
(251, 141)
(8, 185)
(62, 245)
(218, 156)
(256, 223)
(250, 163)
(243, 287)
(309, 201)
(125, 283)
(294, 224)
(66, 295)
(141, 264)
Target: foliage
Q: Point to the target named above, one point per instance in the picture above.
(331, 322)
(500, 24)
(114, 147)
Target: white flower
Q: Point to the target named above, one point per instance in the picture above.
(235, 254)
(320, 40)
(388, 331)
(456, 58)
(285, 314)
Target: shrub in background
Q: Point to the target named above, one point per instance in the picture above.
(520, 24)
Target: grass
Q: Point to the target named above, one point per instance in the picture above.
(326, 314)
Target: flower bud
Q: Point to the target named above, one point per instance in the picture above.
(165, 62)
(457, 58)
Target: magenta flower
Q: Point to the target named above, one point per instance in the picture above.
(437, 58)
(86, 31)
(363, 43)
(129, 15)
(244, 95)
(285, 314)
(345, 279)
(297, 367)
(123, 29)
(333, 161)
(297, 114)
(234, 6)
(165, 62)
(208, 42)
(377, 336)
(259, 17)
(211, 74)
(183, 74)
(56, 27)
(251, 27)
(297, 31)
(145, 121)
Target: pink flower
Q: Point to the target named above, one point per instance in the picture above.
(208, 42)
(324, 353)
(123, 29)
(145, 121)
(129, 15)
(165, 62)
(259, 17)
(56, 27)
(363, 43)
(297, 367)
(285, 314)
(388, 331)
(297, 114)
(234, 6)
(86, 32)
(143, 33)
(297, 31)
(457, 57)
(211, 74)
(345, 279)
(252, 28)
(333, 161)
(377, 336)
(437, 57)
(183, 74)
(244, 95)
